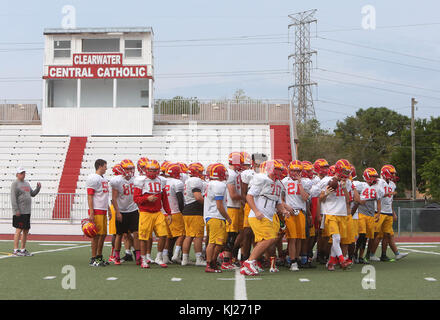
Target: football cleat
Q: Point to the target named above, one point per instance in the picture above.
(111, 259)
(127, 257)
(117, 262)
(374, 258)
(330, 266)
(274, 269)
(247, 272)
(26, 253)
(166, 259)
(227, 266)
(200, 262)
(250, 266)
(160, 263)
(176, 259)
(346, 264)
(294, 267)
(145, 265)
(401, 256)
(259, 266)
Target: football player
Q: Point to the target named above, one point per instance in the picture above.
(234, 207)
(193, 214)
(98, 203)
(264, 199)
(294, 198)
(215, 214)
(117, 171)
(151, 197)
(368, 194)
(126, 210)
(334, 204)
(175, 189)
(321, 168)
(387, 215)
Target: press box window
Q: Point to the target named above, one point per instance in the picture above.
(133, 48)
(100, 45)
(61, 49)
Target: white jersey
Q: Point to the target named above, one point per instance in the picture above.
(370, 194)
(266, 193)
(315, 190)
(247, 175)
(235, 181)
(293, 195)
(356, 184)
(216, 190)
(125, 193)
(335, 203)
(184, 177)
(174, 186)
(100, 192)
(387, 201)
(191, 185)
(150, 186)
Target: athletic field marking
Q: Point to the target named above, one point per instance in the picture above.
(421, 246)
(419, 251)
(53, 250)
(111, 278)
(56, 244)
(176, 279)
(304, 280)
(240, 286)
(6, 253)
(430, 279)
(49, 278)
(247, 279)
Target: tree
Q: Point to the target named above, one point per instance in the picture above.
(430, 173)
(369, 138)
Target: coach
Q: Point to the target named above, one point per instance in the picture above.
(21, 199)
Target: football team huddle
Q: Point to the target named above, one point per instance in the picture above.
(239, 216)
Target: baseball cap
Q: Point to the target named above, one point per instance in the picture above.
(20, 170)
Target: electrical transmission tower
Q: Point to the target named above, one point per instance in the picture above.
(302, 99)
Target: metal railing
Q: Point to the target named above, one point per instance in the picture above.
(221, 111)
(413, 221)
(20, 111)
(50, 206)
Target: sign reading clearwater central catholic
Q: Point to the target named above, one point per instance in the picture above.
(97, 66)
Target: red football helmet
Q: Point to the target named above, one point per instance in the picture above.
(247, 159)
(141, 165)
(196, 169)
(152, 169)
(272, 167)
(370, 176)
(218, 172)
(353, 172)
(208, 169)
(89, 228)
(307, 169)
(321, 167)
(163, 166)
(173, 170)
(388, 172)
(128, 168)
(295, 168)
(331, 171)
(236, 160)
(183, 167)
(343, 168)
(118, 170)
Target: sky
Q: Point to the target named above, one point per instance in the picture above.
(354, 67)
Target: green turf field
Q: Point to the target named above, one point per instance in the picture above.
(23, 278)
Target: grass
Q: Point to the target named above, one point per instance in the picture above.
(23, 278)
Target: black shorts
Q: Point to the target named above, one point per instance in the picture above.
(22, 221)
(130, 222)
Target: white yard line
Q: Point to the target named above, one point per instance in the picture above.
(45, 251)
(419, 251)
(240, 286)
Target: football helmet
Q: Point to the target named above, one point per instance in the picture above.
(388, 172)
(128, 168)
(141, 164)
(321, 167)
(307, 169)
(183, 167)
(152, 169)
(353, 172)
(218, 172)
(331, 171)
(118, 170)
(343, 168)
(173, 171)
(208, 169)
(247, 159)
(163, 166)
(272, 167)
(295, 167)
(89, 228)
(236, 160)
(196, 169)
(370, 176)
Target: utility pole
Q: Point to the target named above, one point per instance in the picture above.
(301, 100)
(413, 151)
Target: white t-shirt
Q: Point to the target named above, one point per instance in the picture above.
(267, 195)
(335, 203)
(387, 202)
(101, 191)
(235, 181)
(174, 186)
(293, 196)
(216, 190)
(191, 184)
(125, 189)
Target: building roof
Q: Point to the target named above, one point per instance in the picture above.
(97, 30)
